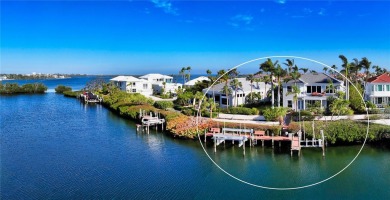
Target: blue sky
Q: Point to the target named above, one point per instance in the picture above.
(137, 37)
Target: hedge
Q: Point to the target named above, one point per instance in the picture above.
(62, 88)
(240, 111)
(163, 104)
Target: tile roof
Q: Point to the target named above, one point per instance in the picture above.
(126, 78)
(147, 76)
(311, 78)
(193, 81)
(383, 78)
(246, 86)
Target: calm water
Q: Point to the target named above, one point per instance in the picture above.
(53, 147)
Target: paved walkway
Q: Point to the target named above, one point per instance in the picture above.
(160, 99)
(245, 121)
(381, 121)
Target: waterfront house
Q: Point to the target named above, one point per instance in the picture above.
(195, 80)
(238, 98)
(313, 87)
(160, 82)
(377, 90)
(131, 84)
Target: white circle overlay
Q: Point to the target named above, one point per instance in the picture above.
(281, 188)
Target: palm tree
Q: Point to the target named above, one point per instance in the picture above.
(379, 70)
(227, 90)
(304, 70)
(346, 67)
(224, 77)
(290, 64)
(355, 67)
(189, 72)
(233, 73)
(295, 91)
(251, 78)
(198, 96)
(266, 80)
(236, 85)
(366, 65)
(164, 84)
(182, 72)
(279, 72)
(187, 77)
(269, 66)
(295, 75)
(325, 69)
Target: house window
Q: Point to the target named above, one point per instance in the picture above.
(308, 89)
(372, 88)
(217, 98)
(289, 89)
(379, 100)
(300, 104)
(380, 88)
(134, 90)
(329, 89)
(145, 86)
(289, 103)
(224, 101)
(319, 89)
(387, 87)
(310, 102)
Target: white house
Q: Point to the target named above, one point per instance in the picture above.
(378, 90)
(195, 80)
(158, 81)
(131, 84)
(242, 92)
(313, 87)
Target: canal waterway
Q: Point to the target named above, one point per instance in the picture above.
(54, 147)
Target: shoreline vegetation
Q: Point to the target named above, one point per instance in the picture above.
(180, 125)
(14, 88)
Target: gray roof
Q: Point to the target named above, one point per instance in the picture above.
(246, 86)
(311, 78)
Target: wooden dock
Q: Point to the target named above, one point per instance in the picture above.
(243, 135)
(89, 97)
(148, 121)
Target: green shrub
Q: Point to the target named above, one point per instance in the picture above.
(240, 111)
(188, 111)
(374, 111)
(272, 114)
(374, 117)
(72, 93)
(304, 114)
(163, 104)
(346, 131)
(120, 98)
(369, 104)
(62, 88)
(134, 111)
(30, 88)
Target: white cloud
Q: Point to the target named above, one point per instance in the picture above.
(166, 6)
(322, 12)
(307, 11)
(241, 21)
(280, 1)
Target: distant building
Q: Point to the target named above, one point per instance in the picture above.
(194, 81)
(158, 81)
(314, 87)
(131, 84)
(242, 92)
(378, 90)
